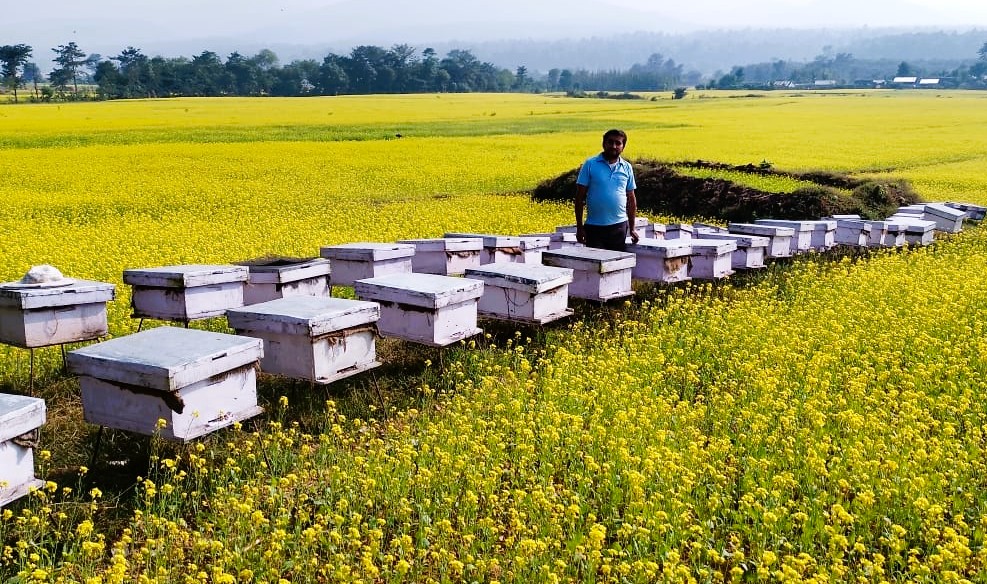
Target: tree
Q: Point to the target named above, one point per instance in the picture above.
(32, 74)
(521, 78)
(904, 70)
(12, 59)
(565, 80)
(69, 58)
(982, 52)
(135, 72)
(553, 79)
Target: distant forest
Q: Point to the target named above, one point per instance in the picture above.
(404, 69)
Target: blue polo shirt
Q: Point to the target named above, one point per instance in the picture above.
(606, 189)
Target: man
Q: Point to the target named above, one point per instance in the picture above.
(605, 186)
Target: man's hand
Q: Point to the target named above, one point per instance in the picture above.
(581, 234)
(634, 236)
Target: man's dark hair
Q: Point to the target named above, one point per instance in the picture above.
(615, 132)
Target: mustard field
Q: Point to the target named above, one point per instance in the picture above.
(821, 421)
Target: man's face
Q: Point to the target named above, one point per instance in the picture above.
(612, 147)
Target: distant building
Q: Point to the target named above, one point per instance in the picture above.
(929, 82)
(904, 81)
(824, 83)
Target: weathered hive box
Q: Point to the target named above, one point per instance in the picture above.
(496, 248)
(801, 240)
(661, 260)
(532, 247)
(40, 316)
(656, 231)
(823, 234)
(917, 210)
(779, 238)
(917, 231)
(445, 256)
(750, 252)
(196, 381)
(317, 339)
(886, 234)
(557, 239)
(853, 232)
(711, 258)
(642, 225)
(20, 419)
(973, 212)
(185, 292)
(678, 231)
(273, 278)
(424, 308)
(598, 274)
(947, 219)
(355, 261)
(529, 293)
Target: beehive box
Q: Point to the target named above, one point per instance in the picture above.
(802, 238)
(532, 247)
(886, 234)
(445, 256)
(779, 238)
(947, 219)
(355, 261)
(750, 252)
(711, 258)
(273, 278)
(196, 381)
(20, 419)
(186, 292)
(678, 231)
(823, 234)
(642, 225)
(854, 232)
(916, 210)
(557, 239)
(424, 308)
(598, 274)
(528, 293)
(661, 260)
(317, 339)
(917, 231)
(496, 248)
(973, 212)
(34, 316)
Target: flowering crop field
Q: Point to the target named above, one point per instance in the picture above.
(820, 421)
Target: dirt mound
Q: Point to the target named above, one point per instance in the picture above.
(662, 190)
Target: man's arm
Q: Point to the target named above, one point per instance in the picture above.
(632, 214)
(580, 204)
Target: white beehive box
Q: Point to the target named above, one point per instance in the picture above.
(973, 212)
(802, 240)
(656, 231)
(711, 258)
(496, 248)
(854, 232)
(317, 339)
(917, 231)
(186, 292)
(886, 234)
(598, 274)
(445, 256)
(557, 239)
(916, 210)
(40, 316)
(529, 293)
(532, 247)
(779, 238)
(273, 278)
(20, 418)
(750, 252)
(424, 308)
(355, 261)
(947, 219)
(660, 260)
(642, 225)
(678, 231)
(196, 381)
(823, 234)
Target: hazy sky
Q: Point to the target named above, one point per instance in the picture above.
(108, 26)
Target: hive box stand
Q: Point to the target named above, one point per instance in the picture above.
(528, 293)
(496, 248)
(802, 239)
(20, 417)
(273, 278)
(196, 381)
(355, 261)
(711, 258)
(598, 274)
(445, 256)
(45, 316)
(317, 339)
(424, 308)
(918, 231)
(187, 292)
(779, 238)
(751, 249)
(660, 260)
(947, 219)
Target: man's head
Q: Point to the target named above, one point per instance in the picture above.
(613, 144)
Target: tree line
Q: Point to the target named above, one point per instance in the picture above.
(366, 69)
